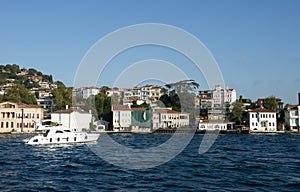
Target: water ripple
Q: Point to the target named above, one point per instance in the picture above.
(234, 163)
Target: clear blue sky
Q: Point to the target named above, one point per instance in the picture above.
(255, 42)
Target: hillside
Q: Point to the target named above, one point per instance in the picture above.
(30, 78)
(31, 86)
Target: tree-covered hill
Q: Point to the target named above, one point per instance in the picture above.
(28, 77)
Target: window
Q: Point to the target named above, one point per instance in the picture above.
(2, 124)
(7, 124)
(270, 124)
(12, 124)
(38, 116)
(252, 115)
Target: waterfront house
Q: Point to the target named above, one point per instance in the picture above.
(140, 120)
(18, 117)
(262, 120)
(121, 117)
(292, 116)
(75, 119)
(213, 125)
(167, 118)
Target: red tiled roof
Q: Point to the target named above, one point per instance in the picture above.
(289, 107)
(168, 111)
(22, 105)
(138, 109)
(120, 108)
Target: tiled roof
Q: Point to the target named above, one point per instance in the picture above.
(289, 107)
(120, 108)
(138, 109)
(168, 111)
(22, 105)
(262, 111)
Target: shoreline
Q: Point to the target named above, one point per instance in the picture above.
(168, 131)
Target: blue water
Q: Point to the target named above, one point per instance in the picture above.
(234, 163)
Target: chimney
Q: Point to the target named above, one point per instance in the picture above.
(67, 107)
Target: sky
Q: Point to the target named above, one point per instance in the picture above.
(255, 43)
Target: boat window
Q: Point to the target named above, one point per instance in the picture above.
(74, 138)
(50, 139)
(58, 131)
(67, 131)
(67, 139)
(46, 133)
(58, 139)
(35, 140)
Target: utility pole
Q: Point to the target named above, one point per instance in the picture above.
(22, 122)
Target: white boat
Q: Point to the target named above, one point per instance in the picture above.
(60, 135)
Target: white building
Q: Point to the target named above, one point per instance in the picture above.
(292, 116)
(214, 101)
(262, 120)
(166, 118)
(89, 91)
(12, 115)
(213, 125)
(86, 92)
(75, 119)
(145, 93)
(121, 117)
(46, 103)
(222, 96)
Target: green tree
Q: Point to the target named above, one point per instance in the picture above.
(271, 103)
(236, 114)
(14, 68)
(32, 71)
(182, 97)
(19, 94)
(102, 105)
(62, 96)
(171, 100)
(104, 89)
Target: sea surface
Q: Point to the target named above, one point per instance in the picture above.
(233, 163)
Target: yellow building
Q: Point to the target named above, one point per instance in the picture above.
(13, 114)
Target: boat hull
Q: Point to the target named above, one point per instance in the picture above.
(63, 139)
